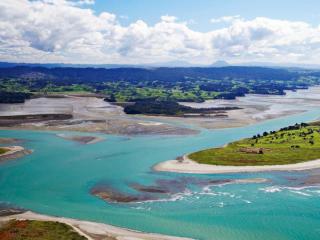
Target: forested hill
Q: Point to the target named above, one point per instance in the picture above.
(164, 84)
(83, 75)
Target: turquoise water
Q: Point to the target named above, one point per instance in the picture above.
(56, 180)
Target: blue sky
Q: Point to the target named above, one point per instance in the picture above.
(201, 11)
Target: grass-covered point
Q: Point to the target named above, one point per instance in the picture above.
(294, 144)
(38, 230)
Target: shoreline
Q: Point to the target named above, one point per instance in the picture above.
(93, 230)
(186, 165)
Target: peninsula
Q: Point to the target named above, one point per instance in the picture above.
(292, 148)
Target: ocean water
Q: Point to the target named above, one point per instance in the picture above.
(57, 178)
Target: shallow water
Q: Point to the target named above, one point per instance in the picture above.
(56, 180)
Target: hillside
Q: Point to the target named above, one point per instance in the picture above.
(175, 84)
(293, 144)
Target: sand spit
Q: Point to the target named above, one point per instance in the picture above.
(92, 230)
(186, 165)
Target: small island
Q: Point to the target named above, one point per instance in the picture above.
(12, 152)
(172, 108)
(291, 148)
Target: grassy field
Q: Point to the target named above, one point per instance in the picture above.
(294, 144)
(3, 150)
(37, 230)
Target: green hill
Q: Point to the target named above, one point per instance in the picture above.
(293, 144)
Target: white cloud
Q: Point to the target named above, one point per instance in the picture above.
(226, 19)
(86, 2)
(167, 18)
(60, 31)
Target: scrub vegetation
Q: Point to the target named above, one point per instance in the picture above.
(170, 108)
(3, 150)
(37, 230)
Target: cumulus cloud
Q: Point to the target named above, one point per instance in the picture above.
(86, 2)
(62, 31)
(226, 19)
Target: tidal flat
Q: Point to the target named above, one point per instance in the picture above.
(92, 114)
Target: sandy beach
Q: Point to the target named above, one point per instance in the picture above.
(92, 230)
(188, 166)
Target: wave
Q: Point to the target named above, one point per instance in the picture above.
(173, 198)
(304, 191)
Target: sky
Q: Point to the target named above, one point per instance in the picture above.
(200, 12)
(155, 31)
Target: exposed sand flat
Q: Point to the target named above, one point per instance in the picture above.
(8, 140)
(150, 123)
(14, 152)
(189, 166)
(81, 139)
(256, 108)
(92, 230)
(84, 114)
(91, 114)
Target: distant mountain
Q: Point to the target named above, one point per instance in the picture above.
(220, 63)
(83, 75)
